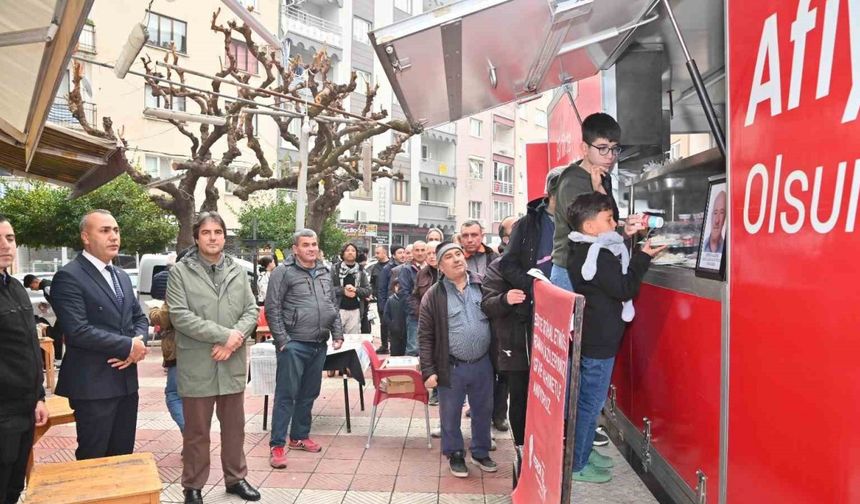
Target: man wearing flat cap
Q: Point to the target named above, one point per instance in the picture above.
(454, 343)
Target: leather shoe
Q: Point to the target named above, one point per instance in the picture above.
(193, 496)
(244, 490)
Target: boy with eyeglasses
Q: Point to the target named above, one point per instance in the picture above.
(600, 147)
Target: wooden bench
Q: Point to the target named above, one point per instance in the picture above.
(59, 412)
(125, 479)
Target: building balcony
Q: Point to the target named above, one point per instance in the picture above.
(435, 167)
(60, 113)
(504, 149)
(439, 214)
(506, 188)
(444, 133)
(315, 28)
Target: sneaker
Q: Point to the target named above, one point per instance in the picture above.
(486, 464)
(307, 445)
(591, 474)
(600, 460)
(436, 433)
(382, 350)
(277, 457)
(492, 445)
(600, 437)
(501, 425)
(457, 463)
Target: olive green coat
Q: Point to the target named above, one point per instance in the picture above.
(203, 315)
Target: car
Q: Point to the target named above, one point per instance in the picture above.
(41, 308)
(151, 265)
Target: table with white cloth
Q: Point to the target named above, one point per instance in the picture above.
(352, 357)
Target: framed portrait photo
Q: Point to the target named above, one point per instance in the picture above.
(711, 262)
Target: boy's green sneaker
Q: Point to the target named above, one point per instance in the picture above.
(600, 461)
(591, 474)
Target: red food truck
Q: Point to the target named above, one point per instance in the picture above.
(738, 379)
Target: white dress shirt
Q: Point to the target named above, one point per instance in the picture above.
(100, 266)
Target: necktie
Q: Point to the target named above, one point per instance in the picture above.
(116, 288)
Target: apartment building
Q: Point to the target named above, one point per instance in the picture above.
(155, 144)
(341, 27)
(531, 127)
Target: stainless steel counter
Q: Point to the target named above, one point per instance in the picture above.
(684, 280)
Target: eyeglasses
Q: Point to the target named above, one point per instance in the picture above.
(606, 149)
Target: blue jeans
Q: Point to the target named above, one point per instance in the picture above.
(297, 385)
(559, 277)
(475, 381)
(594, 378)
(172, 399)
(411, 336)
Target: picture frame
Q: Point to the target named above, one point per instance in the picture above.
(713, 243)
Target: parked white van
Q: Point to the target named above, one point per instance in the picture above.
(152, 264)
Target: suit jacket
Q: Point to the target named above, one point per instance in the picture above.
(96, 328)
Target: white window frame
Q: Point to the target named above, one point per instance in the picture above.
(403, 5)
(401, 192)
(540, 118)
(178, 103)
(476, 127)
(238, 45)
(480, 171)
(360, 27)
(503, 178)
(475, 209)
(362, 76)
(502, 209)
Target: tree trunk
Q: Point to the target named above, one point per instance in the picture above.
(315, 219)
(185, 217)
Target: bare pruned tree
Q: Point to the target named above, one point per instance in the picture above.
(334, 146)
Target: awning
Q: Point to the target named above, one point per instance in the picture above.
(66, 157)
(37, 39)
(466, 57)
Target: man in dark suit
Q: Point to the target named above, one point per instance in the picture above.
(104, 328)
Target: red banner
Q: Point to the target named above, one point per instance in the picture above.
(794, 126)
(543, 454)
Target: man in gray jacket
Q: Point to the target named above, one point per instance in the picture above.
(213, 311)
(302, 314)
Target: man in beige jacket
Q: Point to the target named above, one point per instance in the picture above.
(212, 310)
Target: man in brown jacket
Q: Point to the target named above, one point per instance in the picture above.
(454, 343)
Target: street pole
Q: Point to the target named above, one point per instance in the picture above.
(302, 201)
(390, 216)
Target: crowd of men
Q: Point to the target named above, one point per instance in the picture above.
(458, 305)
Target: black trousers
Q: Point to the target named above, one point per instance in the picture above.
(383, 327)
(500, 398)
(106, 427)
(14, 452)
(518, 384)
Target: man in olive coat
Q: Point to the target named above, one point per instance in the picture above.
(212, 310)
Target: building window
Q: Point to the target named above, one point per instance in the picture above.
(157, 166)
(362, 80)
(540, 118)
(401, 191)
(230, 186)
(475, 126)
(404, 5)
(177, 102)
(164, 30)
(245, 60)
(360, 27)
(503, 179)
(425, 193)
(476, 169)
(87, 40)
(475, 210)
(502, 209)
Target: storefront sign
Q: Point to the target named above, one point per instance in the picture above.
(543, 454)
(794, 242)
